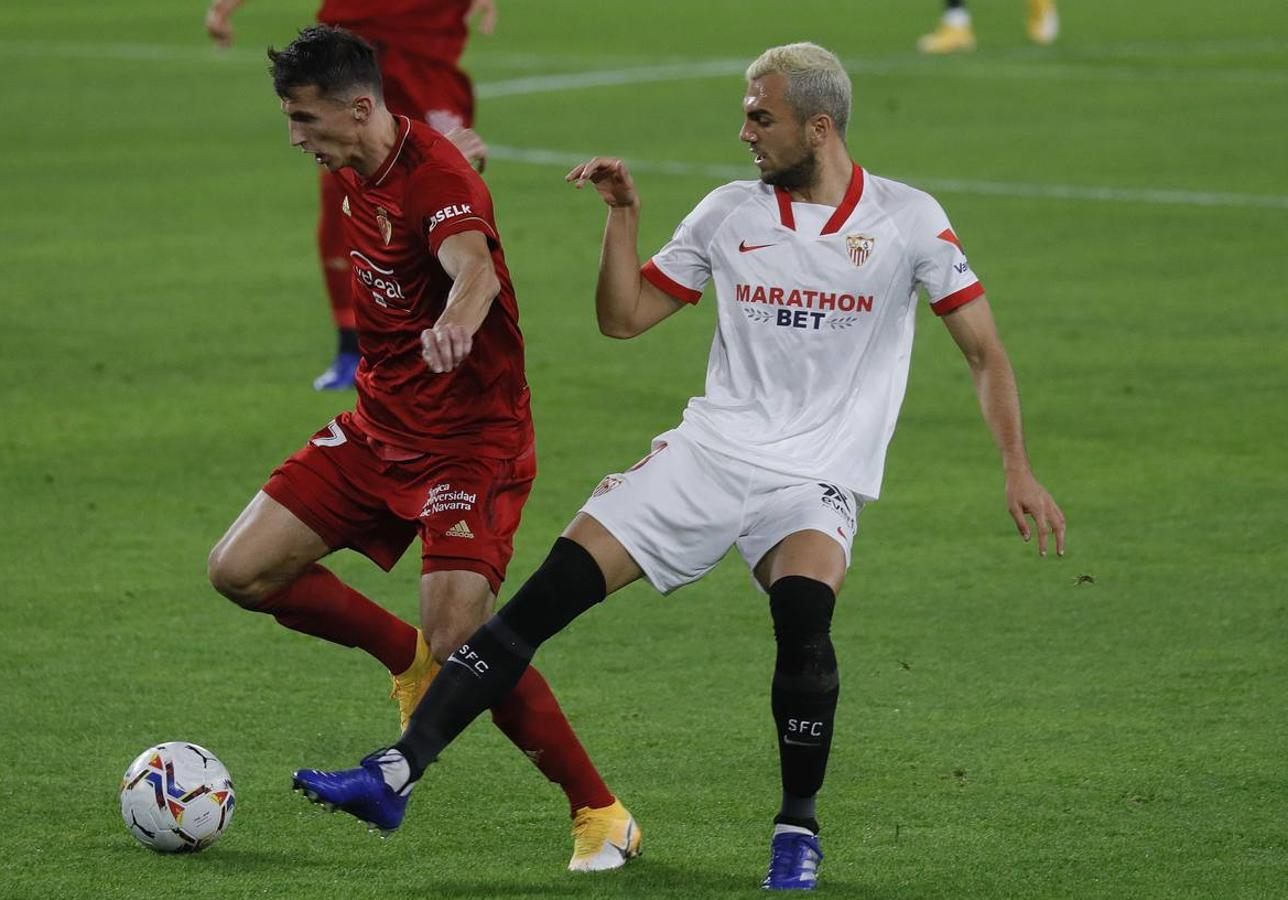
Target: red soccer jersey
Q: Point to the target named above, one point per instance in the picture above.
(395, 221)
(431, 28)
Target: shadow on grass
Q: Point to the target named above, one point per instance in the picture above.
(643, 878)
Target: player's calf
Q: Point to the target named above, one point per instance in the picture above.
(805, 690)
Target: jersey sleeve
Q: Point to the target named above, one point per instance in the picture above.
(682, 268)
(940, 264)
(447, 201)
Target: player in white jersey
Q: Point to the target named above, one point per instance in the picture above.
(817, 269)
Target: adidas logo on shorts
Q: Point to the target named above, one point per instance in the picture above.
(460, 530)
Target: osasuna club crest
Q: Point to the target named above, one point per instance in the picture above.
(860, 247)
(386, 229)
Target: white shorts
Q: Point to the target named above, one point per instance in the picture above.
(679, 510)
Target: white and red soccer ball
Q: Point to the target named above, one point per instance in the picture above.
(177, 797)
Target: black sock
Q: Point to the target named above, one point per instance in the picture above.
(348, 340)
(805, 691)
(485, 669)
(955, 4)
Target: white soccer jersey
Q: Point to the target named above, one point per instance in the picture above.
(815, 319)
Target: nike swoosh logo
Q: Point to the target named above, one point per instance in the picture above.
(744, 247)
(625, 849)
(467, 666)
(787, 740)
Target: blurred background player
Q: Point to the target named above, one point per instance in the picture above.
(818, 267)
(418, 45)
(955, 33)
(440, 443)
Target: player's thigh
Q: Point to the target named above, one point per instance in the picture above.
(612, 558)
(799, 527)
(453, 604)
(266, 546)
(466, 510)
(675, 513)
(809, 553)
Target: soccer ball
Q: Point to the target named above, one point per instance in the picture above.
(177, 797)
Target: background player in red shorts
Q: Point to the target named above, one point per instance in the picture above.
(440, 443)
(418, 45)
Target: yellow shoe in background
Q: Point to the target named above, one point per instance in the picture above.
(947, 39)
(1044, 23)
(410, 686)
(603, 838)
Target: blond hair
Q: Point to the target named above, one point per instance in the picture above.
(816, 81)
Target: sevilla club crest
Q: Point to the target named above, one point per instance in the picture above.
(860, 247)
(386, 228)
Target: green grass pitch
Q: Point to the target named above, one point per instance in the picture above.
(1004, 731)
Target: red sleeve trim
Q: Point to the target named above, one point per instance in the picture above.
(456, 226)
(660, 280)
(957, 299)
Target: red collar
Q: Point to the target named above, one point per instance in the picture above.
(381, 173)
(853, 193)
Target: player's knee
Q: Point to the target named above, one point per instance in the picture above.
(567, 584)
(234, 579)
(802, 610)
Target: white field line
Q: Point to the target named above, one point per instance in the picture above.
(1146, 196)
(1010, 64)
(902, 64)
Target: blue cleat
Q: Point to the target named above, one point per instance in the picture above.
(339, 375)
(361, 792)
(793, 862)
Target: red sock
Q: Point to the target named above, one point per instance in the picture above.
(322, 605)
(337, 272)
(532, 719)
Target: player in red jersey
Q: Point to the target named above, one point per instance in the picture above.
(440, 443)
(419, 45)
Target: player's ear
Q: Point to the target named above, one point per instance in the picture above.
(819, 128)
(361, 108)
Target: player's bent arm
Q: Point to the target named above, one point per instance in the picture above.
(467, 260)
(975, 332)
(625, 304)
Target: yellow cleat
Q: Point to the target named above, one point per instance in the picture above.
(1044, 24)
(947, 39)
(411, 685)
(603, 838)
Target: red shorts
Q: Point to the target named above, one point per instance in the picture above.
(465, 509)
(426, 89)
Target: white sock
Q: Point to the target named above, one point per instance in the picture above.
(957, 17)
(791, 829)
(396, 771)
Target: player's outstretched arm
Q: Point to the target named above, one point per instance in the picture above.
(219, 21)
(468, 260)
(625, 304)
(973, 329)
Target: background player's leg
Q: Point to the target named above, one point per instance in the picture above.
(453, 606)
(267, 562)
(1043, 22)
(954, 32)
(802, 574)
(337, 275)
